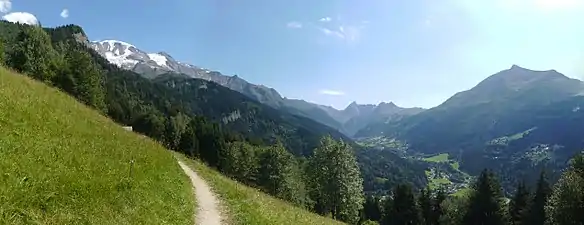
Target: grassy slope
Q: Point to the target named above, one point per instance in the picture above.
(249, 206)
(63, 163)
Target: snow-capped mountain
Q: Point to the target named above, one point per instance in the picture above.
(128, 56)
(151, 65)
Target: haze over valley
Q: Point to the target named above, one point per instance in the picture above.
(332, 112)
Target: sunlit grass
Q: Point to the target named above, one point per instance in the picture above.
(443, 157)
(63, 163)
(463, 192)
(250, 206)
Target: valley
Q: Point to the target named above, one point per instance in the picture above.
(269, 159)
(442, 170)
(482, 121)
(496, 122)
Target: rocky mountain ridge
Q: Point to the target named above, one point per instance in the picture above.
(152, 65)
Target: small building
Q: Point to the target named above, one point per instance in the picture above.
(128, 128)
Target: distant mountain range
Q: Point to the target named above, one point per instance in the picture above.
(151, 65)
(517, 121)
(230, 101)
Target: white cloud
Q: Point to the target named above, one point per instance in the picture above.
(21, 17)
(331, 92)
(294, 25)
(325, 19)
(5, 6)
(65, 13)
(348, 33)
(330, 32)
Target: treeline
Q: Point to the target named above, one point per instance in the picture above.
(130, 98)
(66, 65)
(327, 181)
(485, 203)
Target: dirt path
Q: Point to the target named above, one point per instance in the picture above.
(208, 212)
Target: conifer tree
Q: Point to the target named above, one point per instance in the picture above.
(175, 128)
(211, 144)
(371, 208)
(189, 143)
(485, 202)
(402, 209)
(536, 214)
(425, 202)
(519, 205)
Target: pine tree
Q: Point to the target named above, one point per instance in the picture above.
(189, 142)
(336, 183)
(175, 128)
(485, 206)
(565, 205)
(402, 209)
(371, 208)
(536, 214)
(425, 202)
(519, 205)
(212, 145)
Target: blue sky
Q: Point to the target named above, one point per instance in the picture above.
(332, 52)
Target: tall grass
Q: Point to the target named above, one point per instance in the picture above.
(63, 163)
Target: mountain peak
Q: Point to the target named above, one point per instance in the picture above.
(516, 81)
(165, 54)
(112, 42)
(516, 67)
(353, 104)
(387, 104)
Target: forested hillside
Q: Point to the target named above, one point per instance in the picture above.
(286, 156)
(516, 122)
(199, 118)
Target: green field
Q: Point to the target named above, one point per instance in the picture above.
(437, 158)
(464, 192)
(455, 165)
(246, 205)
(436, 183)
(63, 163)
